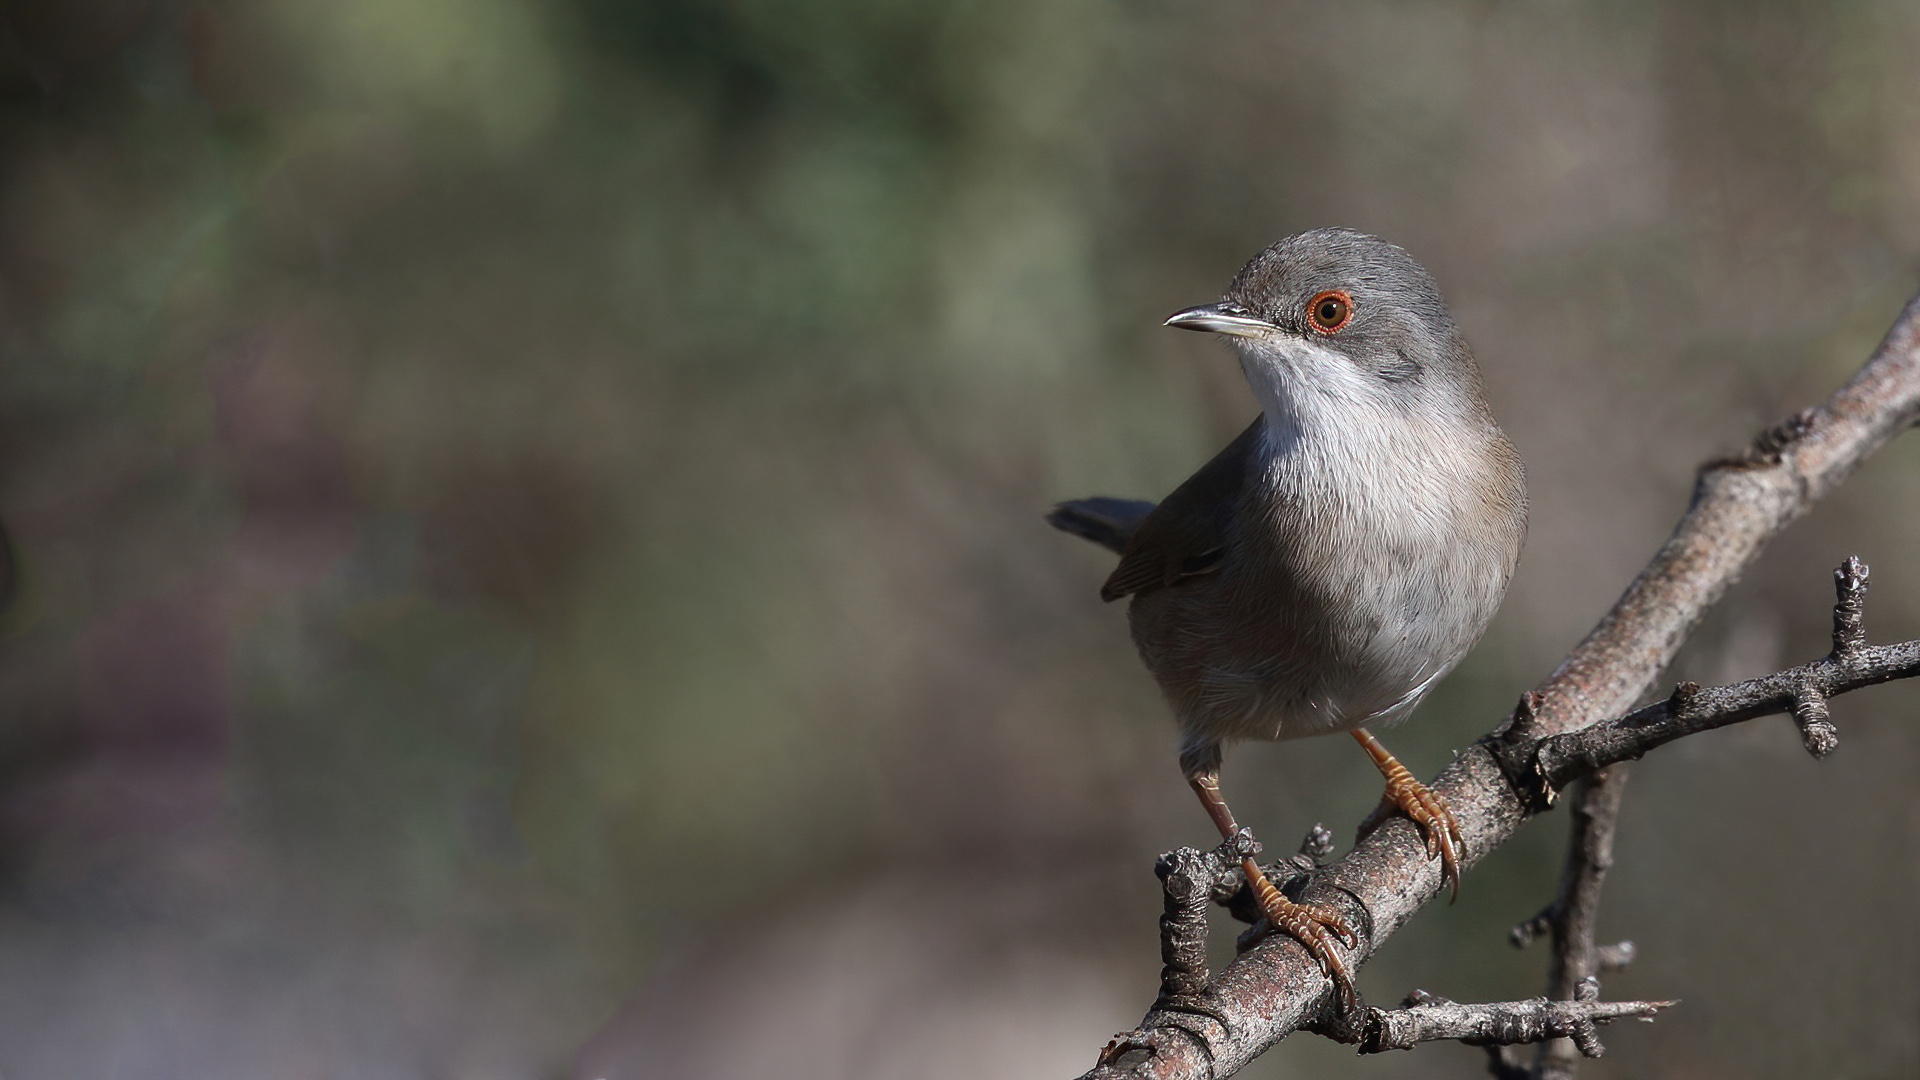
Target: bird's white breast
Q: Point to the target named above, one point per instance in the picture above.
(1382, 514)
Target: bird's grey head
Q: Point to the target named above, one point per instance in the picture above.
(1334, 321)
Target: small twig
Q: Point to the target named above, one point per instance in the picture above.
(1576, 910)
(1849, 607)
(1507, 1023)
(1810, 715)
(1526, 933)
(1561, 759)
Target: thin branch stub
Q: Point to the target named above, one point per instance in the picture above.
(1429, 1018)
(1187, 877)
(1811, 716)
(1849, 607)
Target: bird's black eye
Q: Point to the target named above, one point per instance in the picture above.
(1330, 311)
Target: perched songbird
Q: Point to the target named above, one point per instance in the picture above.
(1326, 569)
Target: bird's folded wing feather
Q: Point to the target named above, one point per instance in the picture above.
(1186, 535)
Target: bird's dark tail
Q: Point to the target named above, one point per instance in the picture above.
(1107, 522)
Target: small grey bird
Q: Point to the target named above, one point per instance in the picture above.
(1333, 562)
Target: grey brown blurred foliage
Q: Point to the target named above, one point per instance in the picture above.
(528, 512)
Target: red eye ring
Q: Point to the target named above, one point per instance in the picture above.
(1330, 311)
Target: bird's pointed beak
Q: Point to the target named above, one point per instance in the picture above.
(1219, 319)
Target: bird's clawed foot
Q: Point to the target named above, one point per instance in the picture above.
(1312, 927)
(1430, 811)
(1426, 807)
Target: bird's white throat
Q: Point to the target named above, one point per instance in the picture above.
(1348, 443)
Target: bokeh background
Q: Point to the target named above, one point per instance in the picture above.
(528, 513)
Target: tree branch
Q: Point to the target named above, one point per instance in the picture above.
(1802, 691)
(1575, 911)
(1427, 1018)
(1738, 505)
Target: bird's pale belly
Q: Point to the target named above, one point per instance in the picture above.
(1273, 671)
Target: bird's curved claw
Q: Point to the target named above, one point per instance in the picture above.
(1430, 811)
(1314, 928)
(1426, 807)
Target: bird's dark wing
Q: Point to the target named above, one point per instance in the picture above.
(1186, 535)
(1106, 521)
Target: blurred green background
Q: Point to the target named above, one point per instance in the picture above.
(529, 513)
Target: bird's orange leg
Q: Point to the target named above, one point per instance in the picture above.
(1311, 927)
(1427, 809)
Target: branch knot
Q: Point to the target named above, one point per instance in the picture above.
(1770, 447)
